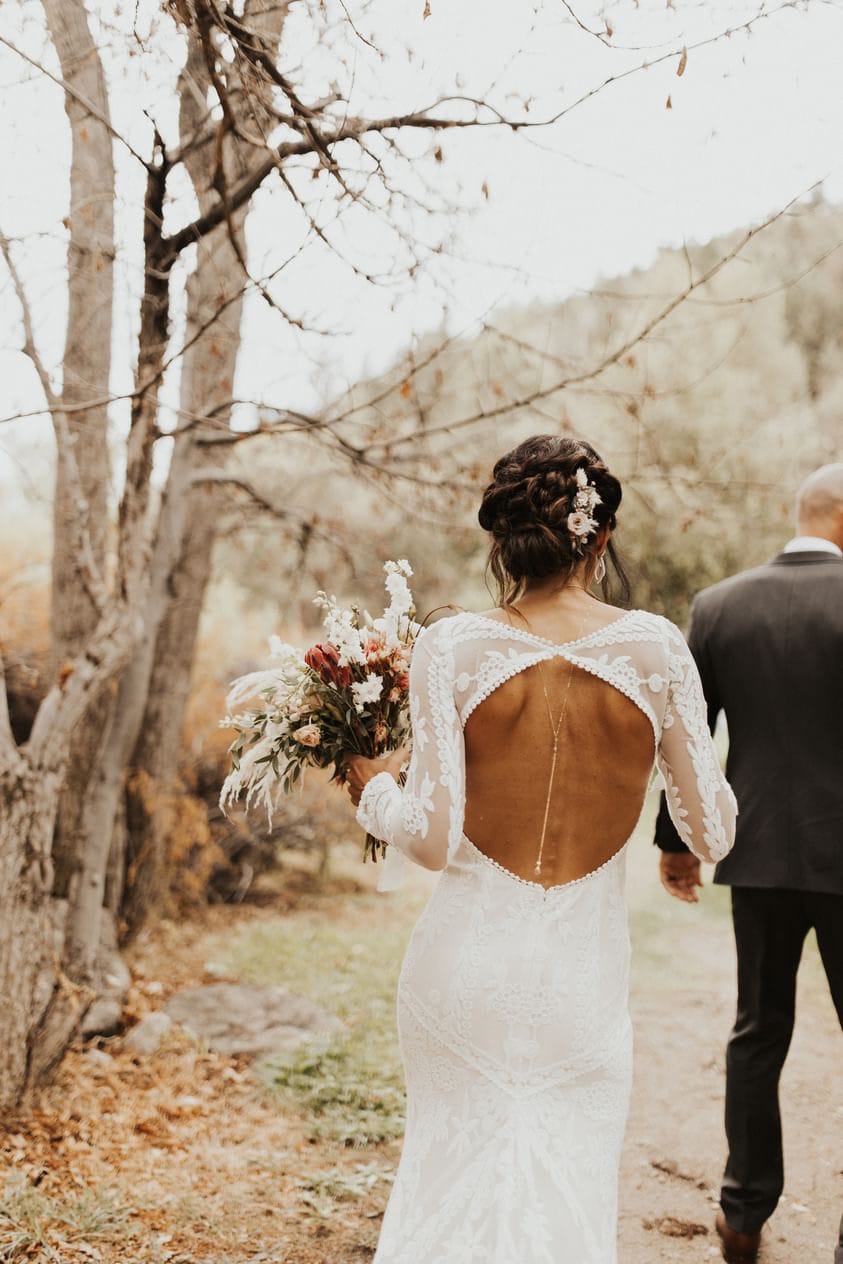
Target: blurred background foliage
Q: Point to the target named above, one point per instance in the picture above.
(711, 423)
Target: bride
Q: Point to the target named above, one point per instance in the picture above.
(535, 729)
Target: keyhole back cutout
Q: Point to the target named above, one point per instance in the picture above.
(581, 795)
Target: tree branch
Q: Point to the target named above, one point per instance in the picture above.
(618, 353)
(81, 678)
(305, 522)
(353, 129)
(77, 96)
(87, 563)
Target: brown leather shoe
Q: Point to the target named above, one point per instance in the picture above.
(736, 1248)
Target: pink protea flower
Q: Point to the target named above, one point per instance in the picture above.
(324, 659)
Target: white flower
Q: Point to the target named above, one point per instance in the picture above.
(308, 735)
(401, 599)
(368, 690)
(581, 520)
(284, 652)
(339, 624)
(581, 525)
(587, 500)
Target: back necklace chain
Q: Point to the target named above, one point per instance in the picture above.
(555, 728)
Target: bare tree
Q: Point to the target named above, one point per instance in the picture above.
(80, 502)
(131, 611)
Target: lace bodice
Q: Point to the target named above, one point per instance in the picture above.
(460, 661)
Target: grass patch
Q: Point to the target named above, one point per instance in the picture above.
(350, 1090)
(349, 1099)
(322, 1190)
(31, 1221)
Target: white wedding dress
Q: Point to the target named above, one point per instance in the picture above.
(513, 997)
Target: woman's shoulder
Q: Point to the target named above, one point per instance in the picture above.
(651, 641)
(665, 640)
(657, 622)
(456, 623)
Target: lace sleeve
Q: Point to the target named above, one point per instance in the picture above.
(424, 819)
(699, 798)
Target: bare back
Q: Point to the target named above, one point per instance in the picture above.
(604, 759)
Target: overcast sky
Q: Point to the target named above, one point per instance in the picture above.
(755, 120)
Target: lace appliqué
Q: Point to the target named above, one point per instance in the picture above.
(460, 661)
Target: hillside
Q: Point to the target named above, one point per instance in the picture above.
(711, 421)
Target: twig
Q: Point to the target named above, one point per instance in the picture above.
(77, 96)
(625, 347)
(86, 563)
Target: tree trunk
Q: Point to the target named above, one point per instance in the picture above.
(101, 813)
(85, 910)
(155, 755)
(31, 921)
(82, 466)
(27, 818)
(206, 387)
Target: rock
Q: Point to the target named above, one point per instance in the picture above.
(233, 1018)
(103, 1018)
(146, 1037)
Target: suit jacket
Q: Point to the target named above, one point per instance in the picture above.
(769, 646)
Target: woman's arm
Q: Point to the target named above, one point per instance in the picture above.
(699, 798)
(424, 818)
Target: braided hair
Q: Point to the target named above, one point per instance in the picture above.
(526, 510)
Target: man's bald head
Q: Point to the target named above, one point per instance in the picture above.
(819, 504)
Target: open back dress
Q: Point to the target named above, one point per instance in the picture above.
(513, 996)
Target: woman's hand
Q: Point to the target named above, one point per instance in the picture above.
(359, 770)
(680, 875)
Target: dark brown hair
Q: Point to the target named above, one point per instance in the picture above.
(525, 509)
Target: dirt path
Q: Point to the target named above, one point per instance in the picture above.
(186, 1158)
(683, 1006)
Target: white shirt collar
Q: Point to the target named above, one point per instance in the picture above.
(812, 544)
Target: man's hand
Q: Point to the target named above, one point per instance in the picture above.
(680, 875)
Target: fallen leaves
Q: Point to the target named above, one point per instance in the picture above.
(673, 1227)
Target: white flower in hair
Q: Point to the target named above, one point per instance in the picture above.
(581, 521)
(580, 525)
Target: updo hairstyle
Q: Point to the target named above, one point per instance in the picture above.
(526, 508)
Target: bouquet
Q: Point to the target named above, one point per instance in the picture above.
(347, 693)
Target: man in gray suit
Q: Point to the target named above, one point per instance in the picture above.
(769, 646)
